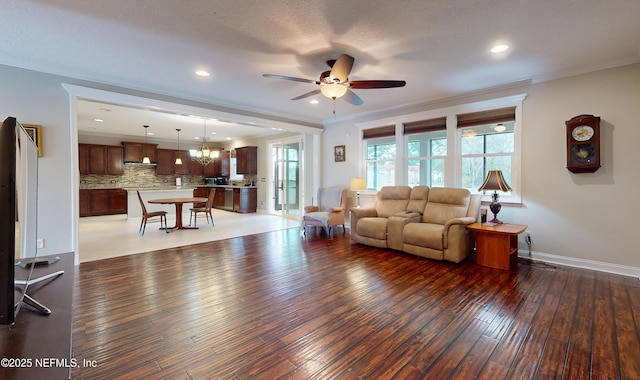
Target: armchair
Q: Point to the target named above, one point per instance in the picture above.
(329, 212)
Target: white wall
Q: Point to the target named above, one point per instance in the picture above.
(578, 219)
(35, 98)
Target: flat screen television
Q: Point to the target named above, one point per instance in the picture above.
(18, 219)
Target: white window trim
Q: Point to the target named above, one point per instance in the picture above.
(453, 160)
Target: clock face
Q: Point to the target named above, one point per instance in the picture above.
(582, 133)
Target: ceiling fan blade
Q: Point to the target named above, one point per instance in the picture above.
(365, 84)
(352, 98)
(275, 76)
(341, 68)
(310, 93)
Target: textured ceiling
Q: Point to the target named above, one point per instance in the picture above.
(441, 48)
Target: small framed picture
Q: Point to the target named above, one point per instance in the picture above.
(339, 153)
(35, 132)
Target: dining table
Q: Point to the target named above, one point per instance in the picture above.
(178, 202)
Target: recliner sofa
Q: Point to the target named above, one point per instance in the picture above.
(427, 222)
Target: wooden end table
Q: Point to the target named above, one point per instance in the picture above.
(496, 245)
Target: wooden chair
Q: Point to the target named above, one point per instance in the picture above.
(147, 215)
(206, 209)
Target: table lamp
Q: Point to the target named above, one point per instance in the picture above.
(356, 185)
(495, 181)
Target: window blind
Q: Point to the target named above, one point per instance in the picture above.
(374, 133)
(422, 126)
(487, 117)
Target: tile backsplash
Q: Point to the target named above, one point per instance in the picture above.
(136, 176)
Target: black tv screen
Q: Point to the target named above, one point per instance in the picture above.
(18, 219)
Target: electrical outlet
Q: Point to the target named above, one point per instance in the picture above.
(40, 243)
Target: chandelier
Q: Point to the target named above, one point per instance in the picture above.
(204, 155)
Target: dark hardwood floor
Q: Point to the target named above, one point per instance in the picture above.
(276, 305)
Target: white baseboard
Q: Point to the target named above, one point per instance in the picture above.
(583, 263)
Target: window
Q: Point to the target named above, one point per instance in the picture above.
(426, 145)
(487, 141)
(482, 148)
(453, 146)
(380, 162)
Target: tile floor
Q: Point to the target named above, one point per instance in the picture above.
(102, 237)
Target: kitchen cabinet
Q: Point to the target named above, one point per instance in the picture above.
(185, 168)
(95, 202)
(195, 167)
(247, 160)
(100, 159)
(220, 167)
(135, 151)
(115, 160)
(244, 199)
(167, 162)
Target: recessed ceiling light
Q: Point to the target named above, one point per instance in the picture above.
(499, 48)
(314, 101)
(228, 138)
(202, 73)
(150, 133)
(98, 120)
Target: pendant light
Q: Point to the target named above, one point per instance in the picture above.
(145, 159)
(178, 159)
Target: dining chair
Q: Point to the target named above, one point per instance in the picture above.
(206, 209)
(147, 215)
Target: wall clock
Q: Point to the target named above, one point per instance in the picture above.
(583, 144)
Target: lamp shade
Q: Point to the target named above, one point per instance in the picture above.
(333, 90)
(495, 181)
(357, 184)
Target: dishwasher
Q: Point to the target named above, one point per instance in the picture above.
(228, 199)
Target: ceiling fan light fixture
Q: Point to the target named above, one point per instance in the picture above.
(501, 48)
(333, 90)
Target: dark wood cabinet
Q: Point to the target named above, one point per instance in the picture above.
(117, 201)
(244, 199)
(183, 169)
(218, 199)
(195, 167)
(83, 158)
(97, 159)
(167, 162)
(94, 202)
(247, 160)
(100, 159)
(115, 160)
(135, 151)
(224, 163)
(85, 202)
(99, 202)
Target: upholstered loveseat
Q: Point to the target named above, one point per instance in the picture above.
(428, 222)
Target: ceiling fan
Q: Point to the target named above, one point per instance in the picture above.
(335, 83)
